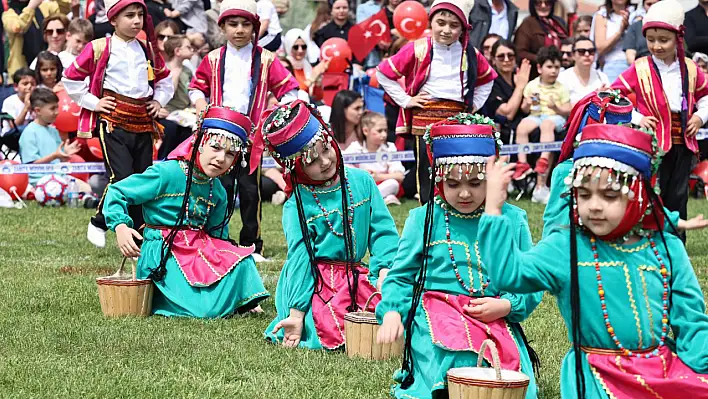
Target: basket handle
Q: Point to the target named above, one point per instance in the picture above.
(368, 301)
(122, 265)
(495, 356)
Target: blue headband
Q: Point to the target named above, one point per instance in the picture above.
(300, 140)
(231, 127)
(603, 149)
(461, 146)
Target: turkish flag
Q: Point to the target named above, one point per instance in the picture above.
(364, 36)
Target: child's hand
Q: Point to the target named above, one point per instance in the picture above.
(498, 178)
(418, 101)
(164, 113)
(695, 223)
(487, 310)
(58, 87)
(124, 236)
(71, 148)
(153, 108)
(648, 122)
(391, 329)
(293, 328)
(382, 276)
(693, 125)
(28, 104)
(106, 105)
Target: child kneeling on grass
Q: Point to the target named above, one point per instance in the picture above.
(334, 218)
(613, 262)
(388, 175)
(197, 269)
(447, 305)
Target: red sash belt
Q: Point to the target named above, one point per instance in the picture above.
(131, 115)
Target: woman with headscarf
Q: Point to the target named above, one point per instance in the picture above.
(540, 29)
(296, 44)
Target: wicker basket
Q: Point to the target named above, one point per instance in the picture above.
(360, 329)
(122, 295)
(484, 382)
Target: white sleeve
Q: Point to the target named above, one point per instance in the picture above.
(481, 94)
(702, 111)
(195, 95)
(78, 90)
(164, 90)
(636, 117)
(393, 89)
(290, 96)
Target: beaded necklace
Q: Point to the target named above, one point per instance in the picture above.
(665, 312)
(326, 213)
(470, 288)
(196, 179)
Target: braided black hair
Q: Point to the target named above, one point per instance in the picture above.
(158, 273)
(576, 334)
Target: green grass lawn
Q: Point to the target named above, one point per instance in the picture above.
(54, 341)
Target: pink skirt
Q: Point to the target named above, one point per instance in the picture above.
(205, 260)
(663, 376)
(452, 329)
(330, 305)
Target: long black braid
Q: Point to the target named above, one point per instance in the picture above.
(158, 273)
(575, 302)
(656, 203)
(419, 286)
(351, 271)
(306, 238)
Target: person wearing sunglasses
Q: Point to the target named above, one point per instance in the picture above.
(538, 30)
(582, 79)
(54, 29)
(566, 50)
(296, 43)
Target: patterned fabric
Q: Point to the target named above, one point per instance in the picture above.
(434, 111)
(131, 115)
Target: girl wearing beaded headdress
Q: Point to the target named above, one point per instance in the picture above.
(439, 290)
(197, 269)
(334, 216)
(628, 285)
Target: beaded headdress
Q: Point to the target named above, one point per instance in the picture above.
(222, 127)
(466, 140)
(632, 158)
(607, 106)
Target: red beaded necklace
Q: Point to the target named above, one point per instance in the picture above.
(665, 301)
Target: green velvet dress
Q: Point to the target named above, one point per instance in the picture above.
(374, 231)
(431, 360)
(160, 190)
(633, 293)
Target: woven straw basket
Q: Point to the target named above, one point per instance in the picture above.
(484, 382)
(122, 295)
(360, 329)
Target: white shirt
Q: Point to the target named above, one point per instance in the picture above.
(444, 79)
(126, 74)
(379, 167)
(237, 84)
(266, 10)
(14, 106)
(500, 22)
(577, 91)
(67, 59)
(671, 83)
(64, 64)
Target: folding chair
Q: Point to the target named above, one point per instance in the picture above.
(10, 142)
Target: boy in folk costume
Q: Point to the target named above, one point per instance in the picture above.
(187, 253)
(623, 284)
(437, 288)
(127, 85)
(445, 75)
(239, 76)
(671, 99)
(333, 218)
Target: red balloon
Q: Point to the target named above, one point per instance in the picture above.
(15, 182)
(94, 147)
(141, 36)
(701, 170)
(81, 176)
(373, 80)
(428, 33)
(337, 51)
(410, 19)
(68, 118)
